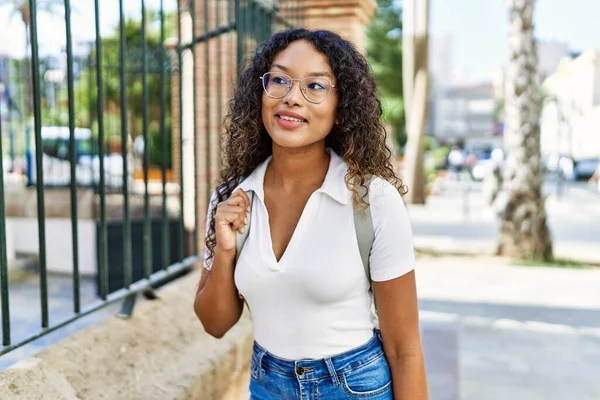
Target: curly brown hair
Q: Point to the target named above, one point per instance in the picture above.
(358, 136)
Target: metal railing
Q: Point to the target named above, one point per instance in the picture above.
(234, 25)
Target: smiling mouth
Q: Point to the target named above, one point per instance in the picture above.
(285, 117)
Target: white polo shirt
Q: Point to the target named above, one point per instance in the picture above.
(315, 302)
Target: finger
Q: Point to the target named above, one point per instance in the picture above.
(237, 210)
(231, 218)
(237, 224)
(235, 201)
(247, 200)
(243, 195)
(240, 200)
(228, 208)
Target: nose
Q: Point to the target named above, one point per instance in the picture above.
(294, 96)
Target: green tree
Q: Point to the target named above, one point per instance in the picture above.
(134, 65)
(384, 52)
(85, 87)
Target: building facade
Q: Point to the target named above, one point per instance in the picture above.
(570, 120)
(464, 115)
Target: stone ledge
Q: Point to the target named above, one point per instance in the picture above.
(162, 352)
(22, 203)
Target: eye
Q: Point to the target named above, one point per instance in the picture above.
(316, 86)
(279, 80)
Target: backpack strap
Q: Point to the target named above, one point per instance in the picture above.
(363, 224)
(240, 238)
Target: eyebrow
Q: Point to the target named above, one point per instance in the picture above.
(286, 69)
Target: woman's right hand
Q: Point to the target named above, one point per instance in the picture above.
(231, 217)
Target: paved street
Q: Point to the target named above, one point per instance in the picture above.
(509, 332)
(503, 331)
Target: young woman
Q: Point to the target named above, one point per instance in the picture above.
(304, 138)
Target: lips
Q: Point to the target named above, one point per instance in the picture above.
(290, 116)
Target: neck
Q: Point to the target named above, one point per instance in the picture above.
(293, 168)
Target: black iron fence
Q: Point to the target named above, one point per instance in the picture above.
(111, 118)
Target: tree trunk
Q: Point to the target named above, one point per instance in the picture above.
(416, 87)
(523, 231)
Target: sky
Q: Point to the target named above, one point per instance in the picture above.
(51, 30)
(477, 28)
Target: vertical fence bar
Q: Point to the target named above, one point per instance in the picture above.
(3, 255)
(248, 13)
(219, 79)
(180, 84)
(251, 23)
(163, 142)
(72, 160)
(127, 267)
(231, 55)
(11, 127)
(195, 140)
(239, 23)
(207, 101)
(90, 68)
(268, 20)
(146, 161)
(39, 169)
(103, 251)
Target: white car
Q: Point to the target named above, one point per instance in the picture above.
(57, 167)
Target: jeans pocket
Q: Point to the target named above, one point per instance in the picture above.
(369, 380)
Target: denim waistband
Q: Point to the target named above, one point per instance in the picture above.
(313, 369)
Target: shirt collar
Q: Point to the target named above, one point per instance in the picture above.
(334, 184)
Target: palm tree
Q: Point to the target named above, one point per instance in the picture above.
(523, 230)
(21, 8)
(415, 37)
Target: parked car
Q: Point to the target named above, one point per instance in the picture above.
(56, 162)
(584, 169)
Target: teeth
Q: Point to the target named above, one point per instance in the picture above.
(290, 118)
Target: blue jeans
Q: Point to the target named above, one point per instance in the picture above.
(361, 373)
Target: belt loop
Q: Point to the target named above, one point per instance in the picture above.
(332, 372)
(377, 332)
(259, 359)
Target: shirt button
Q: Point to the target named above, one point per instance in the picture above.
(300, 371)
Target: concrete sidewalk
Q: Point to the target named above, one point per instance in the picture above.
(519, 333)
(457, 219)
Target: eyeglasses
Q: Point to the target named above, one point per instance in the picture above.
(315, 89)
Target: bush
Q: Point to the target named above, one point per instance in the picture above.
(156, 149)
(440, 157)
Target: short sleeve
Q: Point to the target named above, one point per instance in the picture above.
(211, 205)
(392, 254)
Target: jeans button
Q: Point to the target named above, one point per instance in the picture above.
(300, 371)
